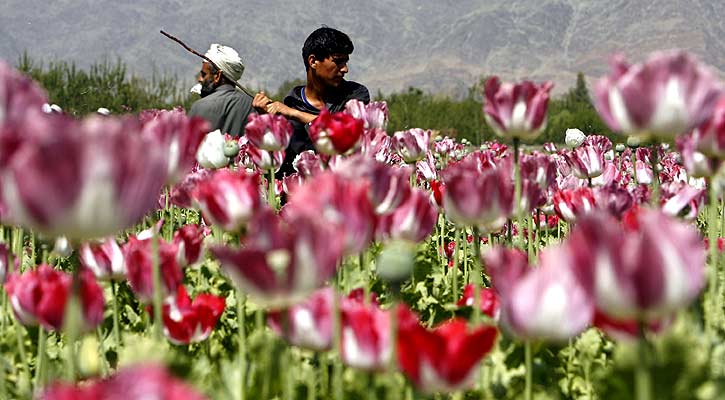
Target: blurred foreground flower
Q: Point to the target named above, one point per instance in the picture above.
(284, 259)
(552, 301)
(141, 382)
(667, 95)
(39, 296)
(101, 174)
(646, 270)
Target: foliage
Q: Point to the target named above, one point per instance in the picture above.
(104, 84)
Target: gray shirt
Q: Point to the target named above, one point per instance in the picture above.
(226, 109)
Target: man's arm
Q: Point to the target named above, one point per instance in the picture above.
(264, 104)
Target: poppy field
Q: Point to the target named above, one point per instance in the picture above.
(144, 257)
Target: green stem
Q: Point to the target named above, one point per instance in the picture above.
(72, 324)
(642, 377)
(116, 325)
(517, 193)
(337, 347)
(710, 304)
(392, 392)
(158, 290)
(477, 276)
(454, 270)
(242, 352)
(40, 360)
(271, 196)
(654, 159)
(102, 349)
(530, 229)
(529, 365)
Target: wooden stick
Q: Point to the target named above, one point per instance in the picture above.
(192, 51)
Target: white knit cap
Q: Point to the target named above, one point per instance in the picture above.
(227, 59)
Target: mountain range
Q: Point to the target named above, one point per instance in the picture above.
(440, 46)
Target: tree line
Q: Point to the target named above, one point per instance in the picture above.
(108, 84)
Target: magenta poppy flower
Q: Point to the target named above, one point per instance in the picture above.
(697, 164)
(376, 144)
(412, 145)
(388, 186)
(141, 382)
(538, 177)
(444, 359)
(179, 136)
(307, 324)
(553, 301)
(587, 160)
(104, 259)
(626, 330)
(374, 114)
(335, 133)
(682, 200)
(365, 336)
(268, 132)
(571, 204)
(516, 110)
(649, 269)
(614, 199)
(709, 137)
(228, 198)
(265, 160)
(667, 95)
(4, 262)
(476, 196)
(339, 202)
(21, 101)
(187, 321)
(307, 163)
(39, 296)
(284, 258)
(188, 241)
(488, 300)
(445, 146)
(101, 173)
(413, 220)
(138, 257)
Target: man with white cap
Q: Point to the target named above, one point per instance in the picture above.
(225, 107)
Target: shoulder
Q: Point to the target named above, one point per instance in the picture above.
(356, 91)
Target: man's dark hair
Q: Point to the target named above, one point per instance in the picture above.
(324, 42)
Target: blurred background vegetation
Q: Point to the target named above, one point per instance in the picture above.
(108, 84)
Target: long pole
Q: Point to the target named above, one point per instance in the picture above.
(192, 51)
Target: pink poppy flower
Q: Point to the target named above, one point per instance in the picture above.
(141, 382)
(179, 136)
(374, 114)
(104, 259)
(412, 145)
(138, 258)
(39, 296)
(516, 110)
(647, 270)
(478, 197)
(667, 95)
(335, 133)
(268, 132)
(413, 220)
(228, 198)
(444, 359)
(552, 301)
(284, 258)
(187, 321)
(572, 204)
